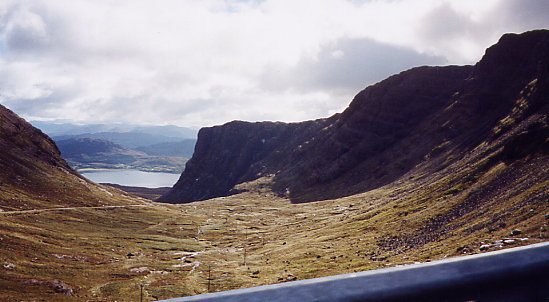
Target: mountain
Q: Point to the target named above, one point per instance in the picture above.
(82, 147)
(89, 153)
(34, 175)
(60, 129)
(115, 146)
(130, 136)
(184, 148)
(465, 121)
(131, 139)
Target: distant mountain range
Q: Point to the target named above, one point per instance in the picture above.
(103, 146)
(127, 139)
(61, 129)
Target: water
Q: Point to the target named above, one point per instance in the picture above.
(133, 178)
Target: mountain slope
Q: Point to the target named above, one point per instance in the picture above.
(423, 119)
(35, 176)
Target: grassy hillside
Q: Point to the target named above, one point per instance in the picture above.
(255, 238)
(480, 202)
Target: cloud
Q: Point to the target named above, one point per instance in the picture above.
(348, 65)
(462, 32)
(445, 23)
(199, 63)
(519, 16)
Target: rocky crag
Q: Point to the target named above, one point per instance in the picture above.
(423, 120)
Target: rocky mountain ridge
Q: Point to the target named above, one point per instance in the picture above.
(426, 118)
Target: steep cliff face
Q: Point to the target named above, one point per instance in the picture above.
(33, 174)
(237, 152)
(424, 119)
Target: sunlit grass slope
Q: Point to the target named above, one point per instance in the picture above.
(255, 238)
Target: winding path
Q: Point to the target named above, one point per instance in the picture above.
(38, 211)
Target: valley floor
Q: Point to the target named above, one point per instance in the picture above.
(253, 238)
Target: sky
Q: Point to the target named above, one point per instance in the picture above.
(206, 62)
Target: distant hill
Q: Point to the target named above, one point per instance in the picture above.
(463, 120)
(126, 139)
(183, 148)
(78, 147)
(108, 146)
(130, 136)
(89, 153)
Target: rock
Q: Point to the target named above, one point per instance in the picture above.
(56, 285)
(140, 270)
(516, 232)
(484, 247)
(464, 249)
(62, 288)
(291, 277)
(497, 244)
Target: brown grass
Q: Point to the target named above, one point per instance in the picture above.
(102, 254)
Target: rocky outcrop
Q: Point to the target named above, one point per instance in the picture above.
(425, 116)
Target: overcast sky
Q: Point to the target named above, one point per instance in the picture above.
(205, 62)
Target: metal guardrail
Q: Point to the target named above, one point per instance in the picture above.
(516, 274)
